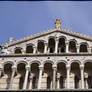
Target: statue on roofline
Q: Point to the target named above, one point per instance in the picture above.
(58, 24)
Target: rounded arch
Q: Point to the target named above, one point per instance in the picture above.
(73, 41)
(48, 61)
(51, 44)
(41, 41)
(9, 62)
(64, 37)
(61, 61)
(22, 61)
(18, 50)
(29, 48)
(85, 43)
(51, 37)
(30, 44)
(75, 61)
(61, 44)
(40, 46)
(83, 47)
(86, 61)
(35, 61)
(72, 45)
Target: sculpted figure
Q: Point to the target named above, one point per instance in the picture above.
(58, 24)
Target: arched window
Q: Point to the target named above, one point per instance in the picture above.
(40, 47)
(72, 46)
(75, 75)
(83, 47)
(61, 45)
(21, 73)
(7, 71)
(51, 45)
(29, 48)
(88, 75)
(18, 50)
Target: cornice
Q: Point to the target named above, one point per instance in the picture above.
(45, 55)
(68, 32)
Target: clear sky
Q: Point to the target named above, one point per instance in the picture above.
(22, 19)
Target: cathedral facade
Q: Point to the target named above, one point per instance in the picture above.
(54, 59)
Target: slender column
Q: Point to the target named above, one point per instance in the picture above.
(45, 49)
(56, 45)
(40, 77)
(34, 49)
(54, 77)
(67, 46)
(1, 69)
(48, 50)
(68, 76)
(89, 50)
(24, 50)
(31, 78)
(26, 77)
(12, 77)
(58, 79)
(78, 48)
(82, 76)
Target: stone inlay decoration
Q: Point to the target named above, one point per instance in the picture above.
(54, 59)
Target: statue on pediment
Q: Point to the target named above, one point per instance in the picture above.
(58, 24)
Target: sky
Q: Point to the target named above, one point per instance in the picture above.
(20, 19)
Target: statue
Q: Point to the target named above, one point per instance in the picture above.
(58, 24)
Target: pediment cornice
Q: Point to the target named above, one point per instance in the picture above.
(68, 32)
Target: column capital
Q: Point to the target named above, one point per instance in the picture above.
(54, 66)
(66, 42)
(56, 38)
(89, 47)
(41, 67)
(34, 46)
(27, 67)
(58, 75)
(68, 67)
(46, 43)
(77, 46)
(14, 67)
(81, 67)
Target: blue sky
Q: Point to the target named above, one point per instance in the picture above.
(22, 19)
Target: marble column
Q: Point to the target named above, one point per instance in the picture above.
(1, 69)
(78, 48)
(45, 48)
(68, 76)
(82, 76)
(40, 77)
(56, 44)
(26, 77)
(67, 46)
(12, 77)
(34, 49)
(31, 78)
(49, 50)
(89, 49)
(58, 79)
(54, 77)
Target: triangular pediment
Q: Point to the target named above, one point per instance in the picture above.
(51, 31)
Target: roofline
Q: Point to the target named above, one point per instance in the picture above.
(71, 33)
